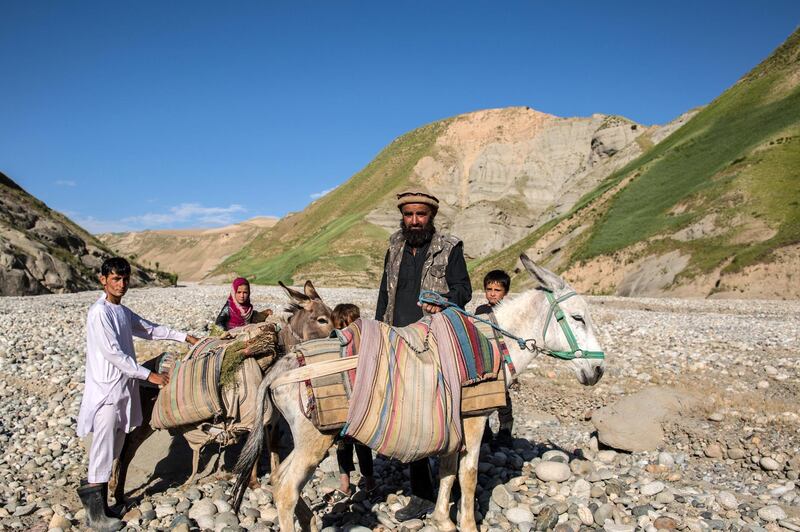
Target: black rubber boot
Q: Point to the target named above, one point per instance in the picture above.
(96, 518)
(417, 508)
(118, 510)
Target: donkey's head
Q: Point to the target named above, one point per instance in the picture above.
(566, 325)
(310, 316)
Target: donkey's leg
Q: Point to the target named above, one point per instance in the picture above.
(468, 472)
(448, 466)
(310, 448)
(272, 444)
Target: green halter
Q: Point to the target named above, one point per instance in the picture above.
(575, 350)
(428, 296)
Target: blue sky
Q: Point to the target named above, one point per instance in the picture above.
(138, 115)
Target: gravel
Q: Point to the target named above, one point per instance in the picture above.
(733, 464)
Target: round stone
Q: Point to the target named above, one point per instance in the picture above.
(269, 514)
(769, 464)
(226, 519)
(411, 524)
(202, 508)
(607, 456)
(581, 489)
(771, 513)
(518, 515)
(502, 497)
(602, 513)
(222, 505)
(552, 471)
(585, 515)
(665, 459)
(736, 453)
(652, 488)
(726, 499)
(666, 523)
(547, 518)
(714, 451)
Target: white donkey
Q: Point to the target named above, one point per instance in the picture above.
(539, 315)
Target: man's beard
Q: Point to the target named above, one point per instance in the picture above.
(418, 237)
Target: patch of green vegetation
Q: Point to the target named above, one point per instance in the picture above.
(697, 162)
(714, 138)
(742, 146)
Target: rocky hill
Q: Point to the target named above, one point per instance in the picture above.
(189, 253)
(712, 211)
(499, 173)
(43, 252)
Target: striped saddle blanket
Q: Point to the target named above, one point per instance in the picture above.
(192, 394)
(215, 377)
(405, 398)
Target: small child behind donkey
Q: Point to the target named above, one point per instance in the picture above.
(496, 285)
(343, 315)
(110, 407)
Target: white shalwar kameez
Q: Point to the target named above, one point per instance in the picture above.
(111, 407)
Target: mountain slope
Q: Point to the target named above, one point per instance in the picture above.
(711, 210)
(499, 173)
(43, 251)
(189, 253)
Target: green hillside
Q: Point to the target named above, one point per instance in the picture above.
(738, 160)
(305, 242)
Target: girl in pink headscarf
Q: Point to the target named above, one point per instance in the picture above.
(238, 310)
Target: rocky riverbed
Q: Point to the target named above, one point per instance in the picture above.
(730, 462)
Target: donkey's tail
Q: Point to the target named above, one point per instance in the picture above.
(255, 443)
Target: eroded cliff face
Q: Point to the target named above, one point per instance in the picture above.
(500, 173)
(43, 252)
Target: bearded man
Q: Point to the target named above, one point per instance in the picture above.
(420, 258)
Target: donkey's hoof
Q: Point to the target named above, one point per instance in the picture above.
(444, 524)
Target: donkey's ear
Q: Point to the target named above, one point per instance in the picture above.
(294, 294)
(310, 291)
(547, 279)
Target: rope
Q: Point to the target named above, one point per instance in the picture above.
(434, 298)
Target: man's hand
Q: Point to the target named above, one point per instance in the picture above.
(431, 309)
(191, 340)
(159, 379)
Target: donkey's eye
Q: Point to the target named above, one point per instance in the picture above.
(322, 321)
(578, 317)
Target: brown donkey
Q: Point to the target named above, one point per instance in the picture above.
(309, 318)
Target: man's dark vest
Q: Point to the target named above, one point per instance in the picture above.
(433, 270)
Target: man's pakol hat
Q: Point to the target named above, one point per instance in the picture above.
(417, 196)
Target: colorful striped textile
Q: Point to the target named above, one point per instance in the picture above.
(406, 399)
(477, 360)
(192, 394)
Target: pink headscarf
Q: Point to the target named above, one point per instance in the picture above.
(239, 314)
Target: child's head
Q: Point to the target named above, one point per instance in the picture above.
(241, 290)
(115, 274)
(344, 314)
(496, 285)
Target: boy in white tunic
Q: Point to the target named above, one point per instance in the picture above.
(111, 406)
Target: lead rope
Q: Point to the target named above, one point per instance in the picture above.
(434, 298)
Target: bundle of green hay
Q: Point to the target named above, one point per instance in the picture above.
(256, 340)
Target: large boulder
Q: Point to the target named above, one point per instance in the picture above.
(634, 423)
